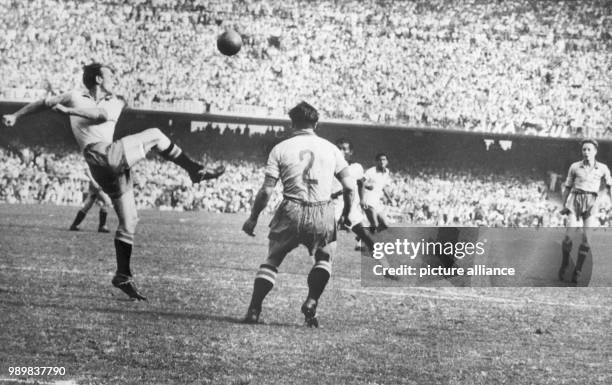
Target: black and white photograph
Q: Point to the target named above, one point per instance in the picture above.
(299, 192)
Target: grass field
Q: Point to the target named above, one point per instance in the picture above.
(58, 308)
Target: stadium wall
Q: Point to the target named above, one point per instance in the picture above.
(216, 134)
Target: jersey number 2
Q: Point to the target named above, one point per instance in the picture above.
(306, 174)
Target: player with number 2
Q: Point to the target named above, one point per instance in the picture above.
(306, 164)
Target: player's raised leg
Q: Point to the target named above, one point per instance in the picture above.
(136, 147)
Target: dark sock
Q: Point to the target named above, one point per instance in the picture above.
(264, 282)
(124, 252)
(583, 251)
(566, 249)
(363, 236)
(317, 279)
(103, 215)
(177, 156)
(79, 218)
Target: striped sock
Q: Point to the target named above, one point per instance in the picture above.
(264, 282)
(177, 156)
(317, 279)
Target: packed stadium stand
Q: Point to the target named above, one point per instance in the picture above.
(539, 67)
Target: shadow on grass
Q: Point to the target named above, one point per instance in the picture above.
(143, 312)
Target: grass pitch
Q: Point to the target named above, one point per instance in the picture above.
(58, 308)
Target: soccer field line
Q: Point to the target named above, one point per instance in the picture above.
(434, 293)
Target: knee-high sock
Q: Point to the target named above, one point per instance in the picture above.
(264, 282)
(318, 278)
(363, 236)
(583, 251)
(177, 156)
(79, 218)
(566, 249)
(124, 253)
(103, 215)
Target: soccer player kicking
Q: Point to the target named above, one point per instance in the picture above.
(306, 165)
(356, 218)
(580, 196)
(95, 195)
(377, 179)
(93, 116)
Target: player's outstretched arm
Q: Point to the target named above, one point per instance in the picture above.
(96, 114)
(37, 106)
(9, 120)
(261, 201)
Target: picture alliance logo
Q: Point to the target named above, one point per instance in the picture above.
(413, 249)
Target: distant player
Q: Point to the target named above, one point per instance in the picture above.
(356, 218)
(580, 192)
(93, 115)
(306, 165)
(377, 179)
(95, 195)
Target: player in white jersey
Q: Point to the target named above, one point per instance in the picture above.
(95, 195)
(377, 179)
(356, 217)
(581, 189)
(93, 116)
(306, 164)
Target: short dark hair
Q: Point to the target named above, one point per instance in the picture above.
(90, 71)
(380, 155)
(339, 141)
(304, 116)
(592, 141)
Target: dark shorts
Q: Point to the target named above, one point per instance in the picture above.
(295, 223)
(582, 203)
(109, 167)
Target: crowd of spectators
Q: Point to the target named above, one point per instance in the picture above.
(535, 67)
(421, 194)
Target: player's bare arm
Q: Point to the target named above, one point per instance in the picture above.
(95, 114)
(10, 120)
(261, 201)
(566, 191)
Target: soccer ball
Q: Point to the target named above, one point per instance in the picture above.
(229, 43)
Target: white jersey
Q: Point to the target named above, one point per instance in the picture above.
(306, 164)
(378, 181)
(355, 216)
(84, 130)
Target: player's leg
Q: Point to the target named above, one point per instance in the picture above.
(370, 213)
(317, 281)
(588, 221)
(266, 276)
(138, 145)
(82, 213)
(382, 220)
(125, 207)
(105, 202)
(567, 244)
(573, 221)
(361, 233)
